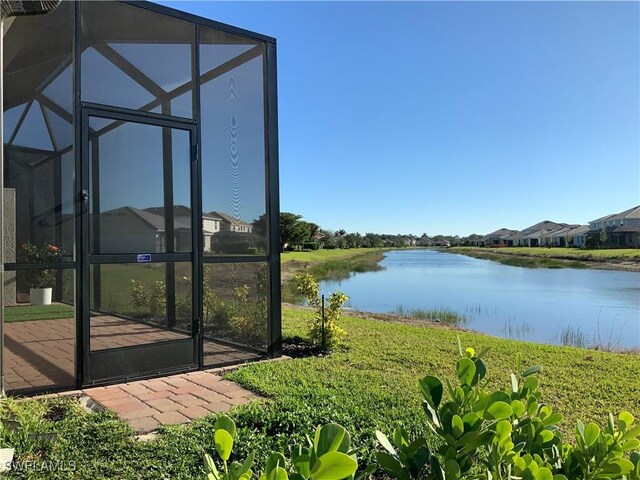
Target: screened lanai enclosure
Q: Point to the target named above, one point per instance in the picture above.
(140, 196)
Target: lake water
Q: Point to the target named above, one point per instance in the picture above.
(534, 304)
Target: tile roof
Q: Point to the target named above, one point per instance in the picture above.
(153, 220)
(627, 229)
(543, 225)
(633, 212)
(178, 211)
(563, 230)
(580, 230)
(515, 236)
(229, 218)
(502, 233)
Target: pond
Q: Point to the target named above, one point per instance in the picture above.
(560, 306)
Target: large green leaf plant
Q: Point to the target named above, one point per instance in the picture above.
(506, 434)
(327, 457)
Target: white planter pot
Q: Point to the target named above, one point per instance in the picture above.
(40, 296)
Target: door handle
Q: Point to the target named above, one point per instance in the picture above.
(84, 200)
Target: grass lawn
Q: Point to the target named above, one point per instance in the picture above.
(604, 254)
(372, 383)
(24, 313)
(322, 255)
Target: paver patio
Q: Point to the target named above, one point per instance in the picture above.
(172, 400)
(40, 354)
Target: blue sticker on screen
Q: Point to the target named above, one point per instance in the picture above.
(144, 257)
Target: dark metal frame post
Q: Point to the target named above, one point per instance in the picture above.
(95, 222)
(324, 337)
(195, 19)
(273, 196)
(57, 224)
(169, 212)
(82, 227)
(196, 189)
(2, 279)
(196, 264)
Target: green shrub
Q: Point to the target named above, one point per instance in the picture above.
(154, 304)
(247, 317)
(323, 329)
(310, 246)
(232, 247)
(506, 434)
(480, 434)
(241, 317)
(184, 310)
(328, 457)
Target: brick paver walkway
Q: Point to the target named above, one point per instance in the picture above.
(112, 332)
(40, 353)
(146, 404)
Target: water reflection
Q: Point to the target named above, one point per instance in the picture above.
(559, 306)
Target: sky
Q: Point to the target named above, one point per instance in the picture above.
(452, 117)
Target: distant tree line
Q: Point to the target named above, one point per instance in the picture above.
(299, 234)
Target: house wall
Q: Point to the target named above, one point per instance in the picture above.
(615, 239)
(211, 225)
(633, 239)
(183, 240)
(225, 226)
(207, 242)
(126, 233)
(579, 240)
(133, 242)
(241, 228)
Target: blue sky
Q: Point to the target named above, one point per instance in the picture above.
(452, 117)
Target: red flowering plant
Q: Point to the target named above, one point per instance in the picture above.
(47, 253)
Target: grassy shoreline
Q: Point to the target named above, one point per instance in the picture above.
(370, 383)
(327, 265)
(541, 257)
